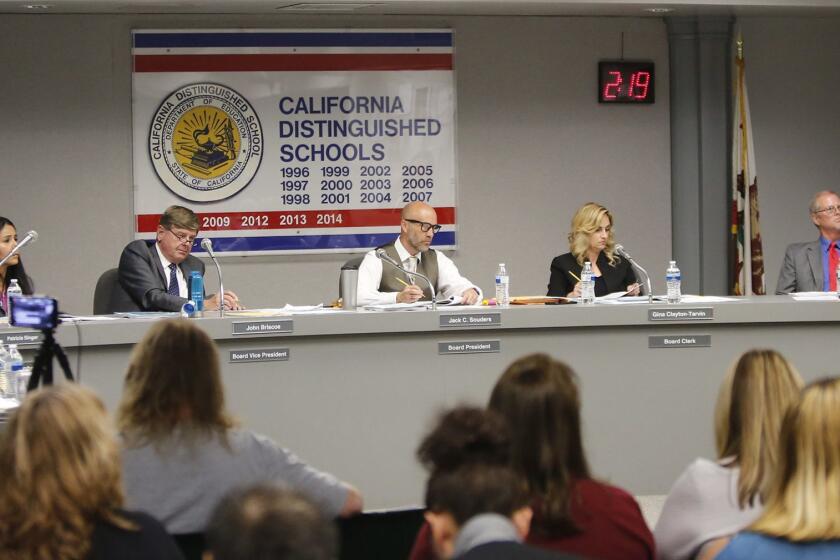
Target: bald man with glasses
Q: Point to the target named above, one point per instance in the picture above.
(155, 277)
(811, 266)
(418, 225)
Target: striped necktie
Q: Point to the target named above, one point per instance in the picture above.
(173, 281)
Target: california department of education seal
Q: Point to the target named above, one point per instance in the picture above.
(206, 142)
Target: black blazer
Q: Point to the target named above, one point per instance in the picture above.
(614, 278)
(144, 282)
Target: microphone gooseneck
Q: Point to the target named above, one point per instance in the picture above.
(207, 245)
(383, 256)
(30, 237)
(623, 252)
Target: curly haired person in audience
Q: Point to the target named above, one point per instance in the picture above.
(573, 512)
(477, 505)
(712, 500)
(181, 449)
(60, 491)
(801, 518)
(269, 523)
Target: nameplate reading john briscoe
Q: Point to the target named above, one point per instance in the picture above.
(471, 320)
(263, 327)
(260, 355)
(22, 337)
(680, 341)
(681, 314)
(471, 347)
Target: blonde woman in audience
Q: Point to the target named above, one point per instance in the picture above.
(181, 450)
(712, 500)
(60, 489)
(801, 518)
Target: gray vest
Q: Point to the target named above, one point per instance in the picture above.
(426, 266)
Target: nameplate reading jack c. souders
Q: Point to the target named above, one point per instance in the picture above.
(680, 341)
(260, 355)
(263, 327)
(470, 347)
(471, 320)
(681, 314)
(22, 338)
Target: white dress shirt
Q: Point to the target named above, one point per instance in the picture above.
(450, 282)
(182, 282)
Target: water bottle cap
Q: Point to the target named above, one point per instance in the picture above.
(188, 309)
(17, 366)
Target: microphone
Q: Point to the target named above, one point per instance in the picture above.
(383, 256)
(31, 237)
(207, 245)
(623, 252)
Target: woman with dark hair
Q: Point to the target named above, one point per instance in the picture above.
(61, 490)
(538, 398)
(13, 268)
(182, 451)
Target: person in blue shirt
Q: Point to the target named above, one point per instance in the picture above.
(801, 518)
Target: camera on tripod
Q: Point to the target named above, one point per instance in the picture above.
(39, 312)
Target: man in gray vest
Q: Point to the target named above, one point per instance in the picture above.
(418, 225)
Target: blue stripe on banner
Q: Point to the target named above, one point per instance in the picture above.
(307, 242)
(340, 39)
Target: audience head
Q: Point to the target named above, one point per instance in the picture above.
(592, 232)
(468, 456)
(269, 523)
(176, 233)
(61, 473)
(538, 397)
(802, 501)
(753, 399)
(173, 384)
(13, 268)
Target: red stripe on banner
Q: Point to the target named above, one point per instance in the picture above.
(295, 219)
(289, 62)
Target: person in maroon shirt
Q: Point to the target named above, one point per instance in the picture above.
(573, 512)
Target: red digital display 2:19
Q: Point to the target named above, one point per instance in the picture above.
(626, 82)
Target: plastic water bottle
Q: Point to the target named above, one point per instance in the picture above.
(837, 277)
(5, 369)
(672, 281)
(502, 286)
(188, 309)
(12, 291)
(15, 369)
(587, 285)
(197, 291)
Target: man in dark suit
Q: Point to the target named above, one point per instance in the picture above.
(811, 266)
(155, 277)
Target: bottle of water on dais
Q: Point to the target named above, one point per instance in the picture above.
(502, 286)
(13, 291)
(587, 285)
(5, 369)
(837, 276)
(672, 282)
(15, 368)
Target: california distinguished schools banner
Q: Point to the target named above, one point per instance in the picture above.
(294, 141)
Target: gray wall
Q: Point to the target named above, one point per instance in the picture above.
(532, 145)
(793, 76)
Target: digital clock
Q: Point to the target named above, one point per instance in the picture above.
(620, 81)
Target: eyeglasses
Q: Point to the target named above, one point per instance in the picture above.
(828, 210)
(425, 226)
(183, 239)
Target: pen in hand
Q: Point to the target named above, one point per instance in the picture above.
(573, 275)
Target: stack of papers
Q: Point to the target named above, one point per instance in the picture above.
(814, 296)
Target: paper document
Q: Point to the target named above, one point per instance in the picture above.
(688, 298)
(814, 296)
(417, 305)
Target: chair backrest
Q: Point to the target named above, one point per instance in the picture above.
(351, 264)
(191, 545)
(105, 286)
(379, 536)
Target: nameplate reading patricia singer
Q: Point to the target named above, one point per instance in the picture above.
(260, 355)
(263, 327)
(471, 320)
